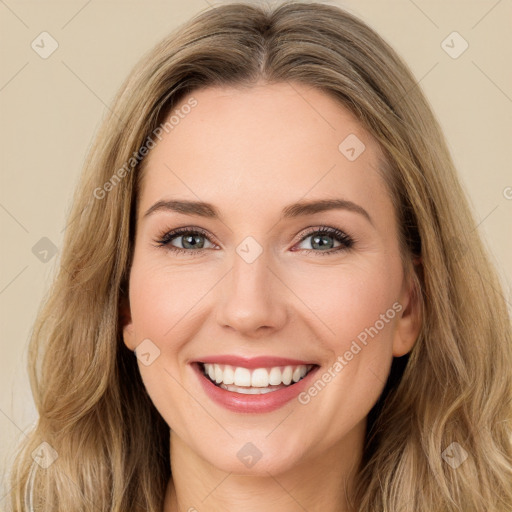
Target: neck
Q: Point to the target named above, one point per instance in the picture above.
(323, 482)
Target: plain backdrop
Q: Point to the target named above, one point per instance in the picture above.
(51, 107)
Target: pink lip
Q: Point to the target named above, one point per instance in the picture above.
(252, 362)
(268, 402)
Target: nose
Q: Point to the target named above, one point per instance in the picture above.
(253, 298)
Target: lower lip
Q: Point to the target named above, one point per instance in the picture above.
(266, 402)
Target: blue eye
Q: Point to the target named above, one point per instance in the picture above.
(321, 236)
(193, 240)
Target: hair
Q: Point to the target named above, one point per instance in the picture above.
(454, 386)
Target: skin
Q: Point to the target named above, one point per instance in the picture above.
(250, 153)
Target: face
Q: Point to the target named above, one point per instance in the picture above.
(258, 292)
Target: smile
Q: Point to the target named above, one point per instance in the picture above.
(255, 385)
(254, 381)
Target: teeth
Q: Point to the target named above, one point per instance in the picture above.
(250, 391)
(297, 374)
(287, 375)
(218, 374)
(228, 375)
(242, 377)
(259, 378)
(239, 377)
(275, 377)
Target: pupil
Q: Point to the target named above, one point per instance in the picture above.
(194, 242)
(317, 240)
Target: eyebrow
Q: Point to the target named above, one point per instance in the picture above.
(294, 210)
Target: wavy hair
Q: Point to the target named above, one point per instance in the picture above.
(455, 386)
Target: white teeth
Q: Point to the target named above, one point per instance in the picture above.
(218, 374)
(228, 375)
(274, 378)
(259, 378)
(250, 391)
(287, 375)
(254, 381)
(242, 377)
(296, 376)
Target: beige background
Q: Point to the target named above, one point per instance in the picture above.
(50, 109)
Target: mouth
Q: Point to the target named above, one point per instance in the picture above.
(252, 388)
(256, 381)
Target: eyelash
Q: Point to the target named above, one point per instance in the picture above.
(164, 240)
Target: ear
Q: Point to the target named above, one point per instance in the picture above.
(125, 321)
(410, 316)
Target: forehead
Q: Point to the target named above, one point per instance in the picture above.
(266, 144)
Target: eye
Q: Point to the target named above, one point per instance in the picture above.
(320, 238)
(191, 240)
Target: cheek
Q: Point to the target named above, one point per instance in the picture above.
(158, 300)
(160, 297)
(163, 302)
(360, 306)
(351, 301)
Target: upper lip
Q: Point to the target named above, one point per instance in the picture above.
(253, 362)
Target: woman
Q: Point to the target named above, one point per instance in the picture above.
(194, 325)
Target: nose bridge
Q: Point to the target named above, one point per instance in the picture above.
(251, 295)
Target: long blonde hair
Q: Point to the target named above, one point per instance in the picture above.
(455, 386)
